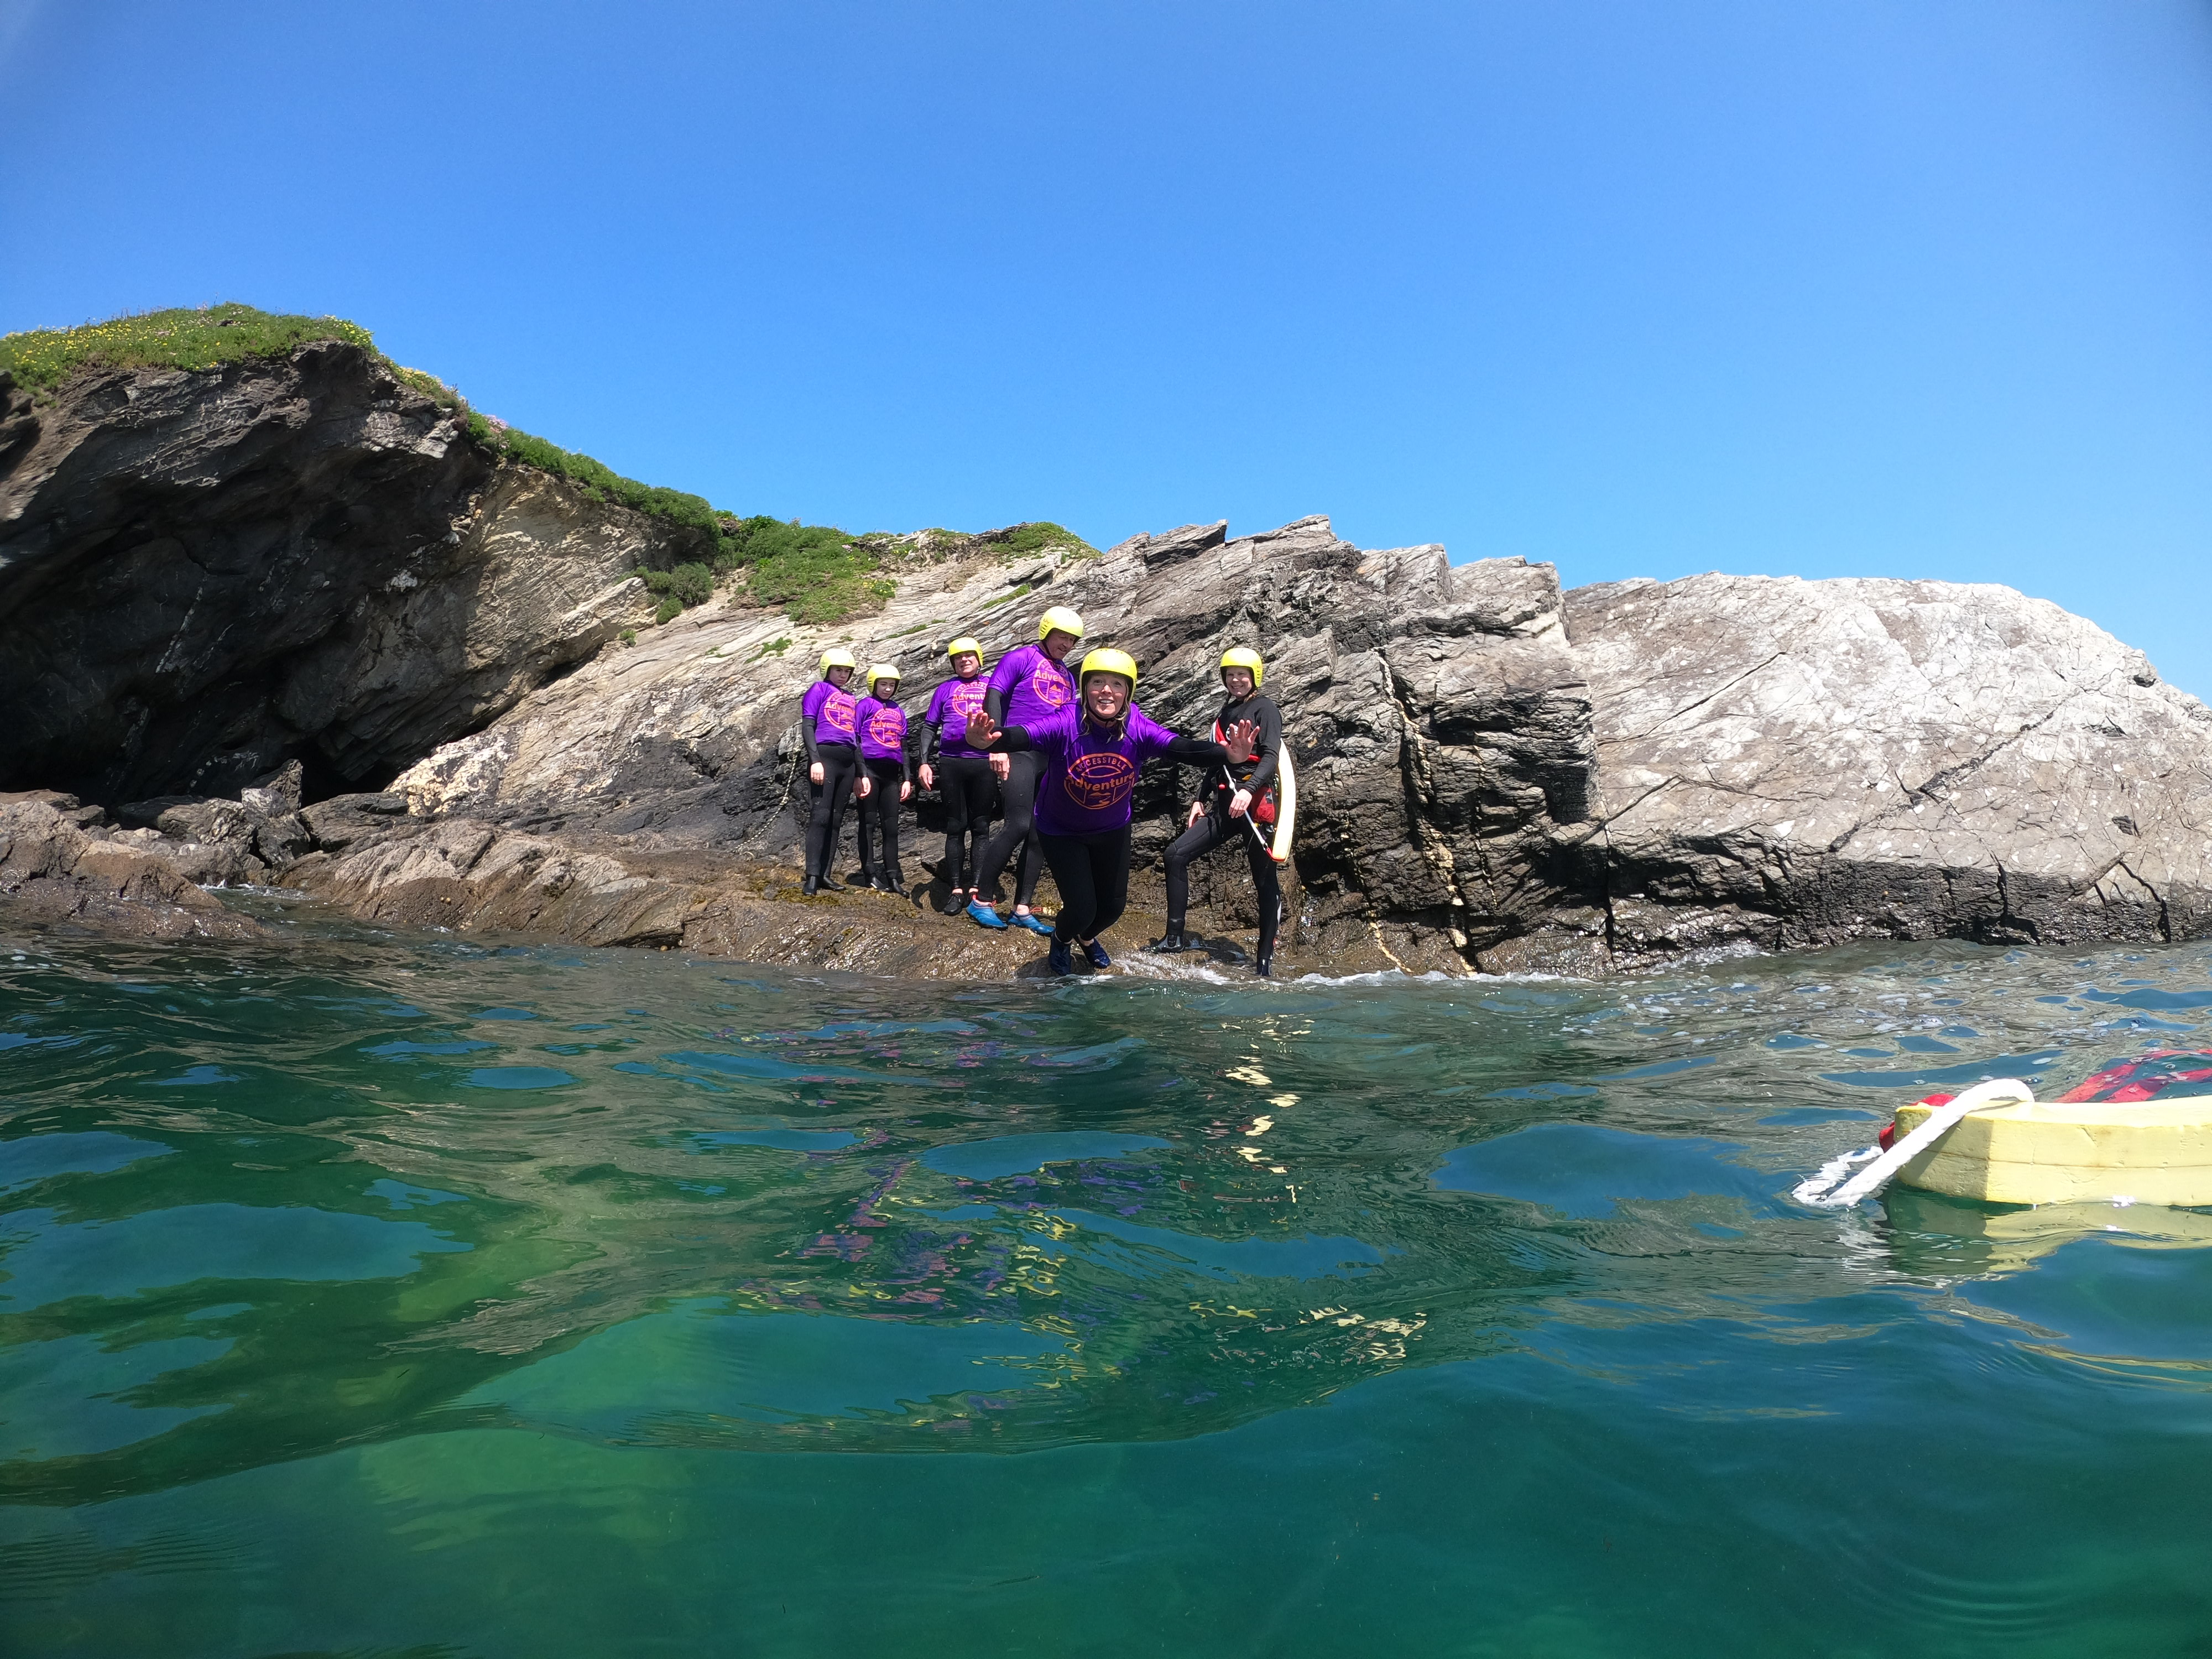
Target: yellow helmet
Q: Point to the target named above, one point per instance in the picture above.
(837, 657)
(964, 643)
(1244, 657)
(1061, 618)
(882, 671)
(1107, 660)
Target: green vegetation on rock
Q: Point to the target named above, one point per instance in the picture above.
(1040, 536)
(680, 589)
(41, 359)
(600, 481)
(820, 575)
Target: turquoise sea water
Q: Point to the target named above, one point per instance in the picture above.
(378, 1294)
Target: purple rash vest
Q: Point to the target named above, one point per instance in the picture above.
(882, 730)
(1032, 687)
(1089, 778)
(950, 706)
(833, 710)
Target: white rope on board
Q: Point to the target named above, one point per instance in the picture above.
(1831, 1190)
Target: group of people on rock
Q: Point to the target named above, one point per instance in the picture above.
(1061, 752)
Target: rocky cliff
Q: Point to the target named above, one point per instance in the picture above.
(202, 575)
(1799, 763)
(1442, 729)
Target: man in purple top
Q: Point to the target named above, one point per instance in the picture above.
(970, 785)
(828, 717)
(881, 724)
(1091, 755)
(1028, 683)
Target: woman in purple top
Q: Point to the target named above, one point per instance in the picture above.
(829, 718)
(1027, 684)
(964, 774)
(881, 724)
(1091, 753)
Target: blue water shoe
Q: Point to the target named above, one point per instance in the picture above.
(1035, 924)
(1059, 960)
(984, 914)
(1096, 952)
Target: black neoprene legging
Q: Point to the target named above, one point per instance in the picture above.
(1024, 768)
(1092, 874)
(1208, 833)
(825, 815)
(968, 786)
(879, 816)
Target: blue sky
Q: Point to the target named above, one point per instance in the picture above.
(1918, 287)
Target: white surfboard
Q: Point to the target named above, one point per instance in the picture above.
(1286, 804)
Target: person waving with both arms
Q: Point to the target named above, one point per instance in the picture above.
(1090, 753)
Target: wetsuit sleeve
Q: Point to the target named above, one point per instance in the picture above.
(1011, 738)
(807, 706)
(1200, 751)
(810, 707)
(930, 719)
(1269, 744)
(1003, 678)
(1158, 739)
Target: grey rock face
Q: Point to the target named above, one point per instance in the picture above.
(206, 579)
(205, 575)
(338, 823)
(278, 793)
(1789, 763)
(62, 865)
(1493, 774)
(1440, 724)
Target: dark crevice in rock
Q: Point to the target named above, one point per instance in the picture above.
(202, 575)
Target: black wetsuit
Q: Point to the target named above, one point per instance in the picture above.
(1216, 826)
(879, 814)
(825, 815)
(1092, 874)
(1017, 796)
(969, 791)
(1090, 868)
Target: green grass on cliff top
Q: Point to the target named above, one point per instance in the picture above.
(42, 359)
(820, 575)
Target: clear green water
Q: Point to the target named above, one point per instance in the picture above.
(380, 1295)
